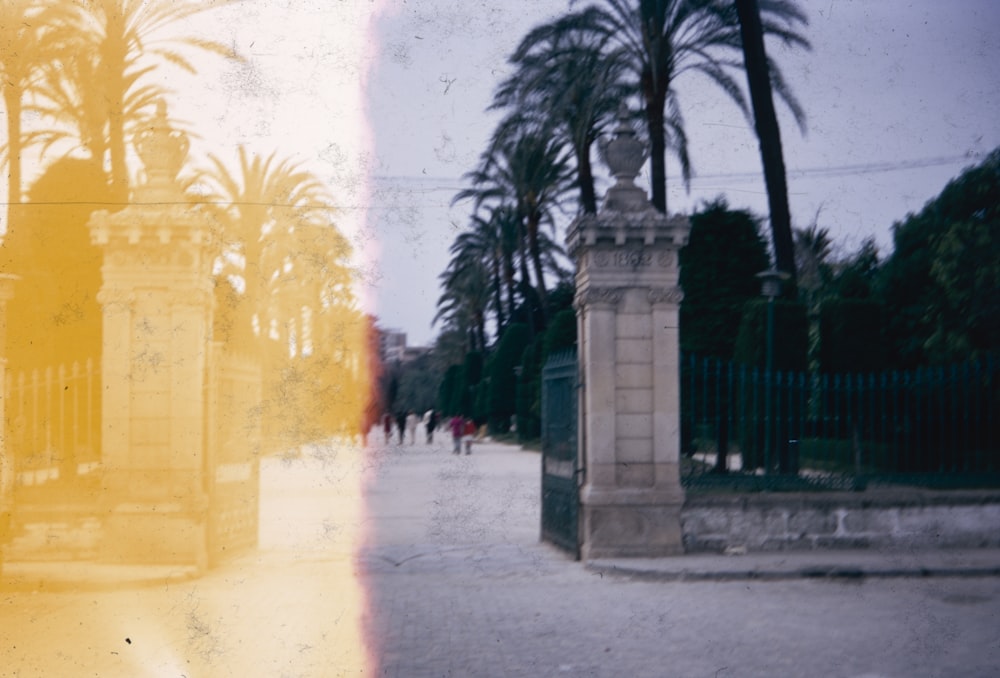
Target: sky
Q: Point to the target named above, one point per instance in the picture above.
(899, 97)
(384, 100)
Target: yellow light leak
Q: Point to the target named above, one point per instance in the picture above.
(144, 411)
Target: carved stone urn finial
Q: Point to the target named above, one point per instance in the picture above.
(624, 155)
(161, 149)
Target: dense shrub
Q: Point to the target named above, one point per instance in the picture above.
(503, 380)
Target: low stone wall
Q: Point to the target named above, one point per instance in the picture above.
(889, 518)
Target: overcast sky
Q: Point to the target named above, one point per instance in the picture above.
(900, 96)
(384, 100)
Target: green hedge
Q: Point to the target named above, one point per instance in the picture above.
(503, 380)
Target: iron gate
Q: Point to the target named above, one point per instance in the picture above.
(560, 491)
(233, 442)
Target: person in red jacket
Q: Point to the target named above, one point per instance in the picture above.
(457, 426)
(469, 431)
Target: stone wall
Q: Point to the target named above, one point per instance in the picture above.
(891, 518)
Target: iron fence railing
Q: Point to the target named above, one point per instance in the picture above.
(930, 427)
(53, 425)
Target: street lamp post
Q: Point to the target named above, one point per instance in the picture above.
(771, 280)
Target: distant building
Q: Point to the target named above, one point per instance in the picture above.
(391, 345)
(411, 353)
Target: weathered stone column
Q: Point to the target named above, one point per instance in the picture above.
(157, 305)
(627, 301)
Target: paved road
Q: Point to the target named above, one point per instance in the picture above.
(439, 572)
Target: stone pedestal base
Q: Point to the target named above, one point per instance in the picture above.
(626, 523)
(155, 534)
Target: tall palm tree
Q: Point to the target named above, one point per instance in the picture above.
(482, 244)
(527, 167)
(120, 37)
(26, 43)
(70, 93)
(666, 38)
(768, 134)
(464, 300)
(265, 201)
(573, 81)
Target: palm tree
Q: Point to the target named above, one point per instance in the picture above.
(526, 167)
(464, 300)
(760, 83)
(264, 203)
(813, 248)
(483, 244)
(572, 81)
(70, 93)
(27, 43)
(116, 37)
(666, 38)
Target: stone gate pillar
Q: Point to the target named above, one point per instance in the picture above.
(627, 302)
(157, 307)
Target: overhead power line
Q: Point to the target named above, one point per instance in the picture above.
(833, 171)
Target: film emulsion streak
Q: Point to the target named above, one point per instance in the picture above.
(185, 370)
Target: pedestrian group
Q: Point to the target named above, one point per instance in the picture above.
(404, 424)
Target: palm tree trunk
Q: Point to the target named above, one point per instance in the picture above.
(769, 137)
(655, 102)
(525, 277)
(497, 296)
(536, 261)
(116, 144)
(585, 180)
(508, 279)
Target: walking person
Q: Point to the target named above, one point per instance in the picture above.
(457, 426)
(401, 424)
(387, 426)
(411, 426)
(431, 422)
(469, 429)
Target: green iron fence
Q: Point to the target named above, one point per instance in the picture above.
(560, 491)
(931, 427)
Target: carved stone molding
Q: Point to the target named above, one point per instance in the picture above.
(599, 296)
(116, 300)
(666, 295)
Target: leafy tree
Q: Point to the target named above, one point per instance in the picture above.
(503, 379)
(528, 408)
(560, 335)
(719, 265)
(966, 270)
(940, 283)
(851, 336)
(446, 392)
(54, 316)
(417, 383)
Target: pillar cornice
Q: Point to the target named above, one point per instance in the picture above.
(666, 296)
(599, 297)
